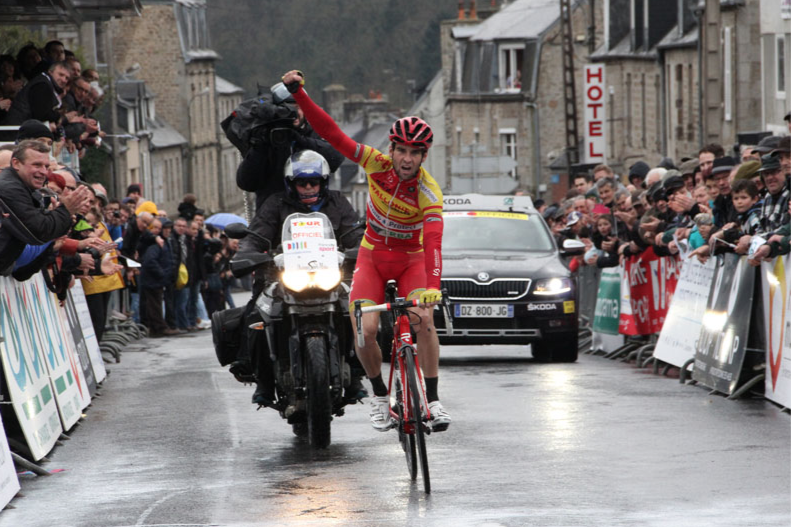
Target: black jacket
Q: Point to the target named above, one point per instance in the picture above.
(269, 219)
(156, 269)
(27, 222)
(261, 170)
(131, 238)
(37, 100)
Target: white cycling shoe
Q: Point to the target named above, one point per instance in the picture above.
(380, 413)
(440, 418)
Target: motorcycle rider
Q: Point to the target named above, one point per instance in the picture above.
(403, 241)
(307, 176)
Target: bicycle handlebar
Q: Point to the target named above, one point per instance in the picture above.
(400, 303)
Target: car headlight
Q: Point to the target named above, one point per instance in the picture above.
(325, 279)
(552, 286)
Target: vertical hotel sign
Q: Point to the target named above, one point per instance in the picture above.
(595, 138)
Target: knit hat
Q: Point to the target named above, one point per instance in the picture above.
(639, 169)
(33, 129)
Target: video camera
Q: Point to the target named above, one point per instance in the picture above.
(267, 119)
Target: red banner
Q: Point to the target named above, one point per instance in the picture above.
(651, 281)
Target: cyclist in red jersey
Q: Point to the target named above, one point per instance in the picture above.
(402, 242)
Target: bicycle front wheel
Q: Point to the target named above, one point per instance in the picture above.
(407, 440)
(417, 415)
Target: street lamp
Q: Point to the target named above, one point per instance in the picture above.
(190, 168)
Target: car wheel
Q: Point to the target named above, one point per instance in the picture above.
(562, 348)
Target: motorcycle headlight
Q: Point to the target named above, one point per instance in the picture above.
(296, 280)
(327, 279)
(552, 286)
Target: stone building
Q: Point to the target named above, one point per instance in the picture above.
(775, 35)
(151, 151)
(504, 86)
(169, 48)
(651, 72)
(229, 96)
(679, 75)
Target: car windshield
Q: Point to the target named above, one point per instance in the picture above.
(494, 231)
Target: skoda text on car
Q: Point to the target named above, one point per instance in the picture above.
(506, 277)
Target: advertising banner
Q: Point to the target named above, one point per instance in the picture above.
(70, 314)
(722, 342)
(26, 374)
(607, 311)
(77, 294)
(626, 323)
(676, 344)
(587, 290)
(48, 334)
(9, 483)
(651, 281)
(776, 288)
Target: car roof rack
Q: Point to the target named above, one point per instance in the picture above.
(488, 202)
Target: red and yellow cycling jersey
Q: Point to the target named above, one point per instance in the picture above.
(397, 210)
(403, 215)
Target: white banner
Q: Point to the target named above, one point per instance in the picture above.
(26, 374)
(48, 336)
(97, 362)
(595, 140)
(9, 483)
(776, 288)
(676, 344)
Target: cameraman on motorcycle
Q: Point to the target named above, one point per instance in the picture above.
(261, 169)
(307, 190)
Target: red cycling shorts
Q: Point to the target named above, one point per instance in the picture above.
(374, 269)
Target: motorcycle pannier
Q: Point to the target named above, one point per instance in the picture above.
(226, 329)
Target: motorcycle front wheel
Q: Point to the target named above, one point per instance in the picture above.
(318, 392)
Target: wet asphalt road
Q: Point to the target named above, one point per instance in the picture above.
(174, 441)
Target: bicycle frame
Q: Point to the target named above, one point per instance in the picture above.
(403, 350)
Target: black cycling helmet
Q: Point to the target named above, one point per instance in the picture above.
(305, 166)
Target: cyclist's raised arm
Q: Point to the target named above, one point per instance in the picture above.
(321, 122)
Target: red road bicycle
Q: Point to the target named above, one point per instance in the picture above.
(408, 406)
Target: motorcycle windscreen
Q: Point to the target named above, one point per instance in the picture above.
(309, 242)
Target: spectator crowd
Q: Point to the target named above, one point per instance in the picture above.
(131, 259)
(708, 204)
(50, 85)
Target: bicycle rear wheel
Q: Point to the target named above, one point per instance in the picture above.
(407, 440)
(417, 415)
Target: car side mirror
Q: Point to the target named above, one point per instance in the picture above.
(572, 248)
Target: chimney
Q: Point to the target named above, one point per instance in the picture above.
(473, 14)
(462, 15)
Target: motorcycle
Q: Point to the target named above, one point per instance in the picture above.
(304, 308)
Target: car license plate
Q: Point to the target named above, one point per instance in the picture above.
(484, 310)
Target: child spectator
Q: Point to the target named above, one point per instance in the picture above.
(744, 195)
(702, 197)
(704, 223)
